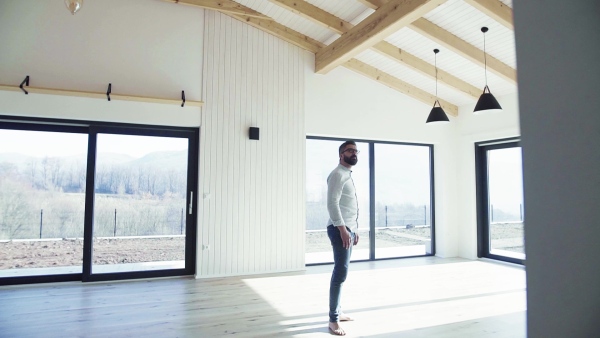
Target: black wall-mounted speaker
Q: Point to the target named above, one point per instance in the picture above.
(253, 133)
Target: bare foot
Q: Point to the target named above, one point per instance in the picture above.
(345, 318)
(336, 329)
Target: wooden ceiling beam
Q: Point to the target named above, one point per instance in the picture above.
(315, 14)
(386, 49)
(224, 6)
(282, 32)
(456, 44)
(464, 49)
(496, 10)
(384, 21)
(399, 85)
(373, 4)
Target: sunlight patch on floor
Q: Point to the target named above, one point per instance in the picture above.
(417, 296)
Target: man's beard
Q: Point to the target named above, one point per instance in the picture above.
(352, 160)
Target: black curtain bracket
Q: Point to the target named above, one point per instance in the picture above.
(25, 82)
(108, 91)
(183, 98)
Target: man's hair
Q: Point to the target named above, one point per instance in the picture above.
(343, 146)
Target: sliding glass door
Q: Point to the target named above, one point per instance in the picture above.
(140, 210)
(394, 190)
(500, 201)
(96, 201)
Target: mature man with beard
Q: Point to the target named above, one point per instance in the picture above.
(342, 206)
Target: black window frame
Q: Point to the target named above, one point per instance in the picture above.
(482, 196)
(92, 128)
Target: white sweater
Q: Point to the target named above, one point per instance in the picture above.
(342, 203)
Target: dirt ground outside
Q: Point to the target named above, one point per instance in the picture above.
(69, 252)
(504, 236)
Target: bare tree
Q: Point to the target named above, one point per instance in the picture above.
(33, 169)
(14, 207)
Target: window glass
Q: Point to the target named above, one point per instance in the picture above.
(42, 202)
(402, 196)
(140, 203)
(505, 188)
(402, 200)
(321, 158)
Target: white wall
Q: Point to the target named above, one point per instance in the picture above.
(557, 52)
(253, 215)
(347, 105)
(130, 44)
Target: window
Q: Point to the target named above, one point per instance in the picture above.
(394, 190)
(500, 201)
(90, 201)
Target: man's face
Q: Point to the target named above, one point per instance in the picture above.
(349, 155)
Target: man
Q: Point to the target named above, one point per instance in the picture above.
(342, 206)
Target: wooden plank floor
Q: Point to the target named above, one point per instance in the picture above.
(419, 297)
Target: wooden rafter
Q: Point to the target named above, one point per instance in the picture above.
(282, 32)
(463, 48)
(456, 44)
(496, 10)
(315, 14)
(425, 68)
(386, 20)
(224, 6)
(341, 26)
(373, 4)
(399, 85)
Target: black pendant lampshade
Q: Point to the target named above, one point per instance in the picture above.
(437, 114)
(487, 102)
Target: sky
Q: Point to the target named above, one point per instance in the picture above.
(54, 144)
(505, 179)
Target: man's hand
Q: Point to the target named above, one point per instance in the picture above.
(355, 238)
(345, 236)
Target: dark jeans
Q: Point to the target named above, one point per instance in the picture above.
(341, 259)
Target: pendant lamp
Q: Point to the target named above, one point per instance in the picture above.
(73, 5)
(487, 102)
(437, 114)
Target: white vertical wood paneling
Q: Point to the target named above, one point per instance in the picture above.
(253, 216)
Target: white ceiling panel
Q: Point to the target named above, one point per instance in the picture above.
(289, 19)
(465, 21)
(343, 9)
